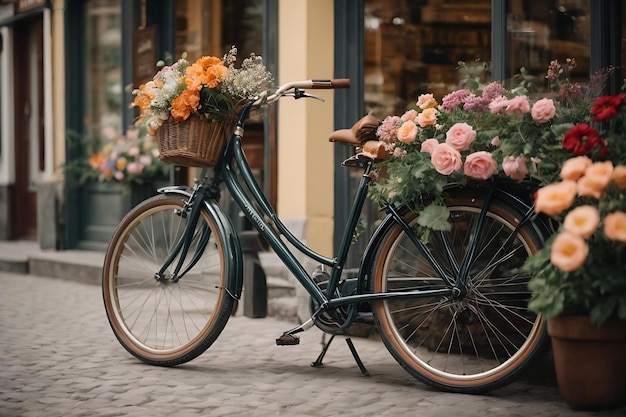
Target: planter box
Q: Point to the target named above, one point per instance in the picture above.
(103, 207)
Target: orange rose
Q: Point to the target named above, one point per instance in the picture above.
(619, 176)
(554, 198)
(574, 168)
(121, 163)
(599, 174)
(568, 252)
(615, 226)
(582, 221)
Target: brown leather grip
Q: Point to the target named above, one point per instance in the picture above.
(330, 84)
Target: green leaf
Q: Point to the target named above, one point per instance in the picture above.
(435, 217)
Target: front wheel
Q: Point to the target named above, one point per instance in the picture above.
(158, 319)
(472, 344)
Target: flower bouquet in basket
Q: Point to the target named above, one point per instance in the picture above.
(189, 107)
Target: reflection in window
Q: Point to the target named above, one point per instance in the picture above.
(103, 69)
(541, 31)
(414, 46)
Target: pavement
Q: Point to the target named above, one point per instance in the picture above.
(60, 358)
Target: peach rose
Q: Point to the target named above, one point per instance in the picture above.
(428, 117)
(554, 198)
(407, 132)
(598, 175)
(517, 105)
(446, 159)
(480, 165)
(615, 226)
(515, 167)
(582, 221)
(619, 176)
(586, 188)
(426, 101)
(568, 252)
(543, 110)
(495, 141)
(429, 145)
(460, 136)
(574, 168)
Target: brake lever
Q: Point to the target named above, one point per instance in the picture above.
(299, 93)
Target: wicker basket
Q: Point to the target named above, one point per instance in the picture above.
(195, 142)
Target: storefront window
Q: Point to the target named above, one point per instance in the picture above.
(541, 31)
(414, 46)
(103, 84)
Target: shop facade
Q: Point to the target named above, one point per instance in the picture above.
(85, 56)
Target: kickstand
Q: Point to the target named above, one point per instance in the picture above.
(318, 362)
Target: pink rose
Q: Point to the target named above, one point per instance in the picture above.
(518, 105)
(409, 115)
(495, 141)
(498, 104)
(407, 132)
(429, 145)
(134, 151)
(543, 111)
(460, 136)
(480, 165)
(134, 168)
(446, 159)
(515, 167)
(145, 160)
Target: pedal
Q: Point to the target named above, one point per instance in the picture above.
(287, 340)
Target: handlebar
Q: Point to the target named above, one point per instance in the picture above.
(293, 86)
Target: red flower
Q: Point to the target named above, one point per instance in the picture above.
(606, 107)
(581, 139)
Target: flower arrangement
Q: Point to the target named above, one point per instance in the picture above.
(483, 133)
(581, 269)
(129, 159)
(210, 87)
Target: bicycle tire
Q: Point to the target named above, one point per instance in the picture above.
(163, 322)
(474, 345)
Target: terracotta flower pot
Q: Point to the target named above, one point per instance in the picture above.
(590, 361)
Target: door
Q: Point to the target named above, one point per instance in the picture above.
(29, 125)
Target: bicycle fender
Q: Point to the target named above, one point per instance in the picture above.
(230, 240)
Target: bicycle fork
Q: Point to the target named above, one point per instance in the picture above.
(192, 209)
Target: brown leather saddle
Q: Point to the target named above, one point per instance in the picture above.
(362, 135)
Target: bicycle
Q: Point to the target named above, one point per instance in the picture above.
(451, 310)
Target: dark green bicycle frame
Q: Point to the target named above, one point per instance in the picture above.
(233, 170)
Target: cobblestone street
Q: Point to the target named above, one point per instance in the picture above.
(60, 358)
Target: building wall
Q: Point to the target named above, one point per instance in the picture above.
(305, 157)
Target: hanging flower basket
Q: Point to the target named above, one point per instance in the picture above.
(195, 142)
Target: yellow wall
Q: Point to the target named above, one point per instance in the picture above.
(58, 82)
(305, 157)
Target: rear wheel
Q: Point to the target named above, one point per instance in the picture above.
(476, 343)
(160, 320)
